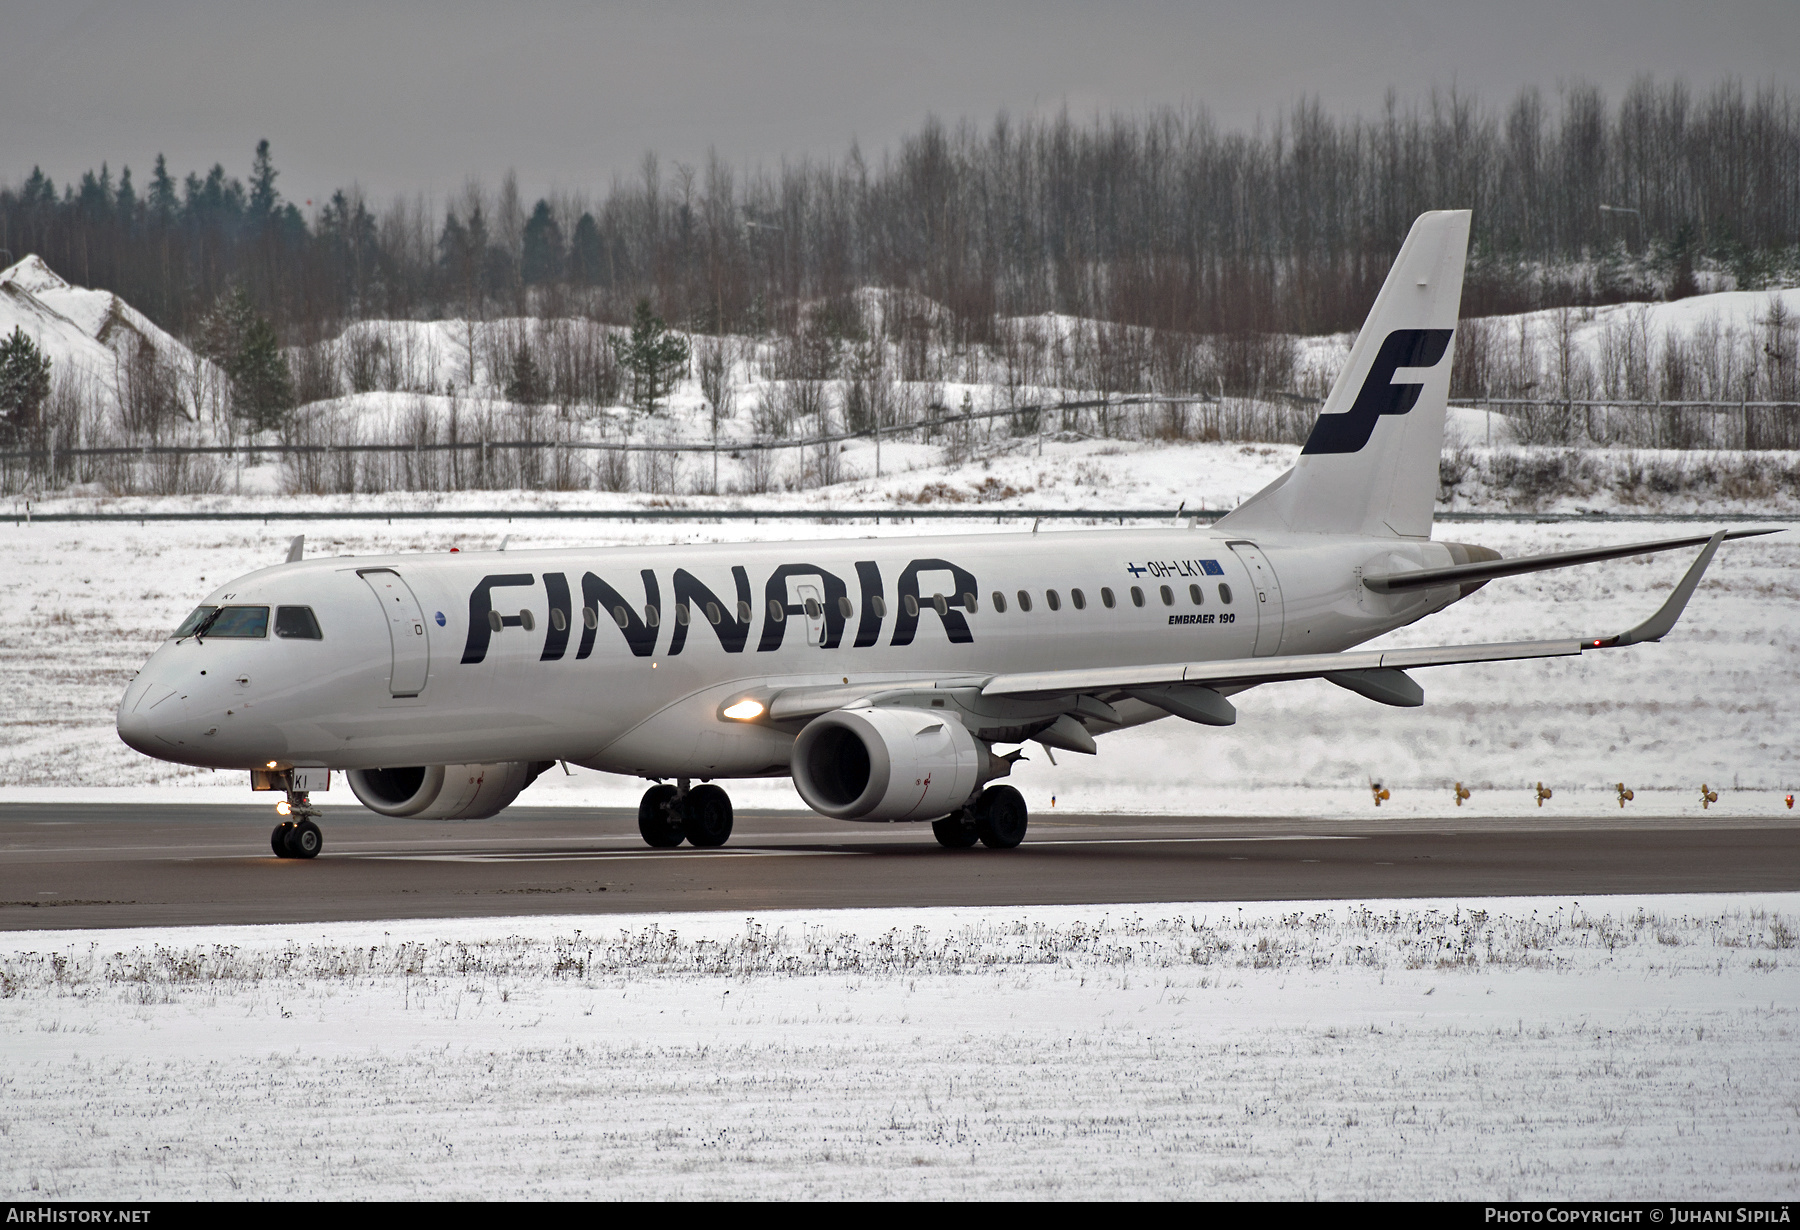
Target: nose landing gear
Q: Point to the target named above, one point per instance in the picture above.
(669, 815)
(297, 836)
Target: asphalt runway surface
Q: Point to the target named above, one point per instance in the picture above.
(68, 865)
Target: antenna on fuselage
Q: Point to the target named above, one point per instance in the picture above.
(296, 549)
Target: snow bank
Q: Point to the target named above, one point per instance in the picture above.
(85, 333)
(1503, 1049)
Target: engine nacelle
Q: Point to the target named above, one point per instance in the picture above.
(888, 764)
(444, 791)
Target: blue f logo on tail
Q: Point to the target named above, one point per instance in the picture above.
(1347, 433)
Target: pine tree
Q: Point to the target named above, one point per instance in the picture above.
(653, 356)
(262, 388)
(262, 184)
(24, 384)
(541, 255)
(524, 384)
(243, 343)
(585, 253)
(163, 201)
(126, 202)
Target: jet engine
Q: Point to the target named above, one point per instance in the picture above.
(890, 764)
(444, 791)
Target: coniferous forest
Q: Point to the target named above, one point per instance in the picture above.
(1165, 219)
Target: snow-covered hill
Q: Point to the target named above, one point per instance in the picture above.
(89, 334)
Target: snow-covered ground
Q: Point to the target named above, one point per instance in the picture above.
(1717, 702)
(1526, 1048)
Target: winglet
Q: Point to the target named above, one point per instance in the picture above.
(1659, 624)
(296, 549)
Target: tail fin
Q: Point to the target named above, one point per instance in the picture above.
(1370, 465)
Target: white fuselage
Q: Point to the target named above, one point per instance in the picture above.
(387, 684)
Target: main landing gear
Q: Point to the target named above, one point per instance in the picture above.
(297, 836)
(996, 819)
(669, 815)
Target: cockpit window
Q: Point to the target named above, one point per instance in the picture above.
(298, 623)
(193, 621)
(230, 621)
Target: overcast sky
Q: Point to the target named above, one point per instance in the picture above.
(418, 96)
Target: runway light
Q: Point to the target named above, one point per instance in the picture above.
(1462, 792)
(1625, 796)
(1707, 796)
(282, 808)
(1790, 802)
(1543, 792)
(746, 710)
(1380, 792)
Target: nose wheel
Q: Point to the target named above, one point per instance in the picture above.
(298, 837)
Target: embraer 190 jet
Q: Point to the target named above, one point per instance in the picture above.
(884, 676)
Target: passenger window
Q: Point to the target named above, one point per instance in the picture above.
(971, 603)
(682, 614)
(297, 623)
(1079, 599)
(999, 602)
(1137, 596)
(777, 612)
(813, 609)
(1168, 596)
(744, 612)
(1224, 593)
(240, 622)
(557, 621)
(714, 615)
(845, 609)
(652, 617)
(496, 622)
(621, 617)
(526, 620)
(1194, 593)
(878, 604)
(1106, 598)
(1053, 599)
(912, 606)
(590, 618)
(1024, 600)
(940, 604)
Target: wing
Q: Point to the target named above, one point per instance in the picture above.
(1487, 570)
(1246, 671)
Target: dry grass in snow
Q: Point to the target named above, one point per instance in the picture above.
(1516, 1048)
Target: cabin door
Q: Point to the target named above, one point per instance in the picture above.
(406, 631)
(1265, 596)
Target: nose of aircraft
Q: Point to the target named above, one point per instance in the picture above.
(152, 713)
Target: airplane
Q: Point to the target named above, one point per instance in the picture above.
(883, 675)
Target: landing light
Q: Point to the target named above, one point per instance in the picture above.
(745, 710)
(270, 765)
(282, 808)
